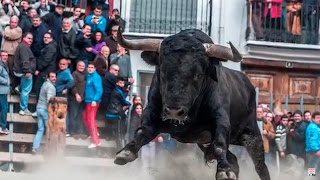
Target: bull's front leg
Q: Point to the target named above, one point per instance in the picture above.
(220, 146)
(143, 136)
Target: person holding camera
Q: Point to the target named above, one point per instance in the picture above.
(114, 20)
(76, 21)
(96, 20)
(7, 9)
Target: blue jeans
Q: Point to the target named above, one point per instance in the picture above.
(25, 89)
(42, 117)
(3, 110)
(313, 161)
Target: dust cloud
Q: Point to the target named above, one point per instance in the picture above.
(186, 164)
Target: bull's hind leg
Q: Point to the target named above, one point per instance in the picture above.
(254, 145)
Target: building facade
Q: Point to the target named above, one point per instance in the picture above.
(281, 60)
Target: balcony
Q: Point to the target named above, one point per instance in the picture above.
(160, 18)
(68, 4)
(286, 31)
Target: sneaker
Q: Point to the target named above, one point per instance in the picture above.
(34, 114)
(34, 151)
(5, 131)
(93, 145)
(67, 135)
(17, 90)
(25, 112)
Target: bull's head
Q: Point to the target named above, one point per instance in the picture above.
(185, 64)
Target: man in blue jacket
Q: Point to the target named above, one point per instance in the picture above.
(92, 98)
(313, 142)
(96, 20)
(64, 79)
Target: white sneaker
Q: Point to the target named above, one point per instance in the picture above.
(92, 146)
(4, 131)
(34, 114)
(25, 112)
(67, 135)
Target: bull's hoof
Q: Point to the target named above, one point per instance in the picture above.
(226, 175)
(124, 157)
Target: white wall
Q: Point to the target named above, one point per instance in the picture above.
(229, 24)
(137, 64)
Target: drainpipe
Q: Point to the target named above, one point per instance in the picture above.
(221, 24)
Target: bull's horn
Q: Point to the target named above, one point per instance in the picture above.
(140, 44)
(222, 52)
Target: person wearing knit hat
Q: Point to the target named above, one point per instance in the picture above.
(296, 138)
(297, 116)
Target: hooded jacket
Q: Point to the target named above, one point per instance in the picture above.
(93, 90)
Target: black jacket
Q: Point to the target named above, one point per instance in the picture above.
(108, 85)
(67, 45)
(24, 61)
(112, 22)
(38, 33)
(25, 24)
(112, 44)
(46, 62)
(54, 21)
(117, 102)
(81, 44)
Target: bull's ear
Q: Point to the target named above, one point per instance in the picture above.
(150, 57)
(212, 71)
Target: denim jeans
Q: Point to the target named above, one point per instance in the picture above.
(313, 161)
(3, 110)
(42, 117)
(25, 89)
(75, 110)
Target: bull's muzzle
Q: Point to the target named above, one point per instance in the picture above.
(171, 113)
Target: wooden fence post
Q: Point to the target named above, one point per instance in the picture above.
(56, 128)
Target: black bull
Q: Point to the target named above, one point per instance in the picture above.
(197, 100)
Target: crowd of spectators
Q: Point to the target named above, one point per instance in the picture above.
(49, 54)
(292, 135)
(293, 21)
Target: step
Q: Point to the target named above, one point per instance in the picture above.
(28, 138)
(17, 118)
(16, 99)
(29, 158)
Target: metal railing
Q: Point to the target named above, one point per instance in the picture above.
(68, 4)
(165, 17)
(287, 22)
(289, 103)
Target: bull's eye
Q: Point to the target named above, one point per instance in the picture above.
(199, 76)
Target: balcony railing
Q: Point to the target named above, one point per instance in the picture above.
(287, 22)
(68, 4)
(165, 17)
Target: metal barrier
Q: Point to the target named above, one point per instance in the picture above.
(164, 17)
(288, 22)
